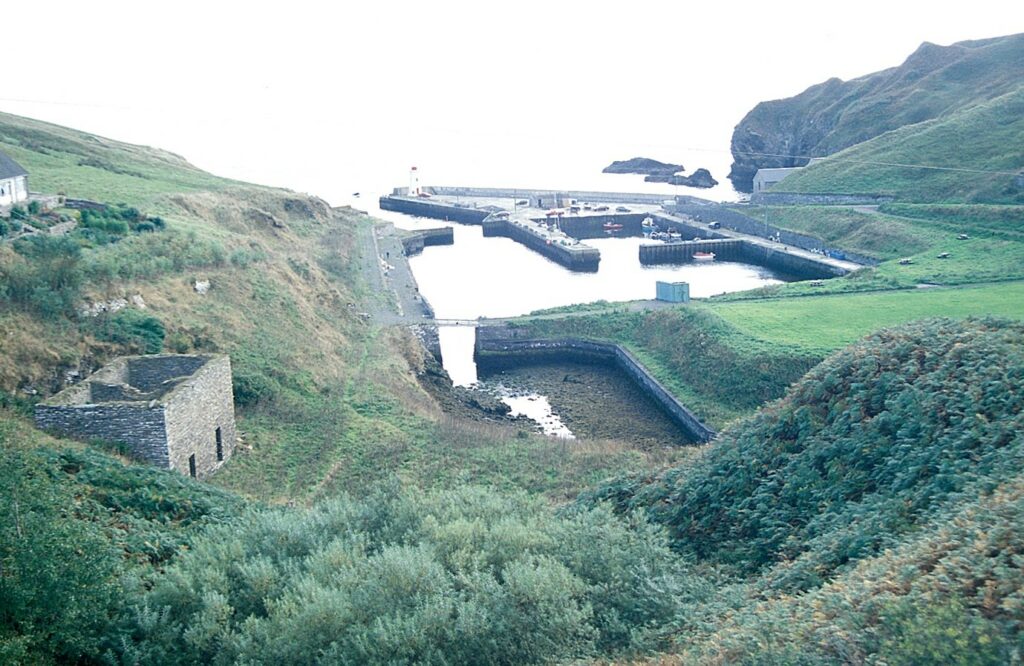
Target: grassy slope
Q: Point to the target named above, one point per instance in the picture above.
(332, 403)
(934, 82)
(986, 137)
(886, 485)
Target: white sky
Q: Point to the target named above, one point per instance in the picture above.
(232, 85)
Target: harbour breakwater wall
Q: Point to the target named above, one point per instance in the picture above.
(592, 226)
(500, 347)
(745, 224)
(417, 240)
(579, 195)
(574, 257)
(437, 210)
(737, 249)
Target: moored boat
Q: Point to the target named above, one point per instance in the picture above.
(703, 256)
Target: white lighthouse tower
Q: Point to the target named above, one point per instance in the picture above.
(414, 182)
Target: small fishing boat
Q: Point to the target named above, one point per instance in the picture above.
(648, 222)
(703, 256)
(674, 235)
(612, 227)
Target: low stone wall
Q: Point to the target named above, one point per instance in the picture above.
(497, 345)
(799, 199)
(148, 373)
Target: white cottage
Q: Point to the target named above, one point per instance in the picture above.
(13, 181)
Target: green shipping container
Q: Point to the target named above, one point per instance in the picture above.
(673, 292)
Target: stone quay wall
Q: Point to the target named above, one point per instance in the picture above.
(574, 257)
(417, 240)
(433, 209)
(578, 195)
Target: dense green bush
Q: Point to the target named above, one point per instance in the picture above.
(465, 577)
(58, 582)
(137, 330)
(42, 275)
(863, 448)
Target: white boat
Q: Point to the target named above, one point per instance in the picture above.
(703, 256)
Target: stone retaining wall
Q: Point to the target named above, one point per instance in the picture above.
(496, 343)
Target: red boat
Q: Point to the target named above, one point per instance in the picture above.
(703, 256)
(611, 226)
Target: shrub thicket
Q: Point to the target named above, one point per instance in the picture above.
(43, 275)
(465, 577)
(140, 332)
(862, 449)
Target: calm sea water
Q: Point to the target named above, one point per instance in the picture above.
(497, 277)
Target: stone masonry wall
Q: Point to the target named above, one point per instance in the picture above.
(135, 424)
(195, 409)
(149, 373)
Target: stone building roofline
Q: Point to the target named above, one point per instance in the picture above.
(143, 382)
(9, 168)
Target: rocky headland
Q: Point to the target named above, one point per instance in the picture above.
(935, 81)
(643, 166)
(699, 178)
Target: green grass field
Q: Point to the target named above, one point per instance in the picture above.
(824, 323)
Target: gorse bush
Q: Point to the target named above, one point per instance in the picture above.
(465, 577)
(42, 275)
(863, 448)
(140, 332)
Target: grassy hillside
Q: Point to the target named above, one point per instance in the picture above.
(905, 448)
(872, 514)
(326, 402)
(933, 83)
(972, 142)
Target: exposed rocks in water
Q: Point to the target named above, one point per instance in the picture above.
(459, 401)
(699, 178)
(643, 166)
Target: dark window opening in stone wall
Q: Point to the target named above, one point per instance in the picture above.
(192, 465)
(220, 445)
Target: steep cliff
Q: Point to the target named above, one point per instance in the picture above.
(933, 82)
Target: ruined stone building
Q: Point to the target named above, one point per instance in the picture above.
(174, 411)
